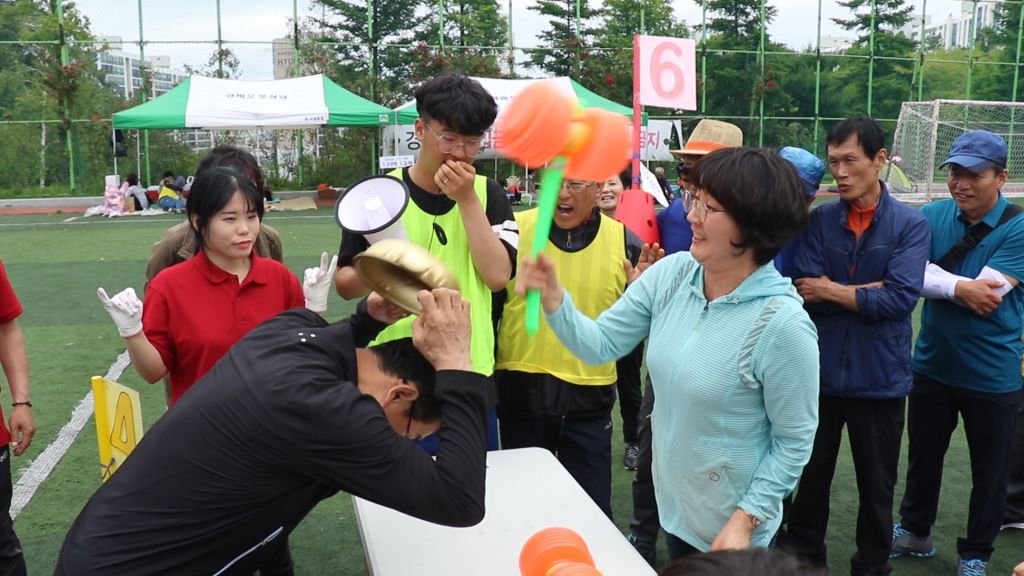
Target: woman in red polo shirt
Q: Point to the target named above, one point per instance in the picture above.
(195, 311)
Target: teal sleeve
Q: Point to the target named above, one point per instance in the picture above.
(788, 372)
(616, 331)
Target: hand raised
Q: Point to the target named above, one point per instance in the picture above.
(317, 283)
(442, 331)
(125, 310)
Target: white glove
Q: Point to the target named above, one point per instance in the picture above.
(317, 283)
(125, 309)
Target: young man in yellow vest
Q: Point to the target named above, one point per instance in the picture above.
(463, 219)
(546, 396)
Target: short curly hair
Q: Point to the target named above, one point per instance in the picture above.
(761, 191)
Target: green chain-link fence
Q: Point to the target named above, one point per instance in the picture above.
(62, 76)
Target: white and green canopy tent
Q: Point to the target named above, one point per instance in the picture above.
(214, 103)
(399, 139)
(504, 89)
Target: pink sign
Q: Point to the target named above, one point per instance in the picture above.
(667, 72)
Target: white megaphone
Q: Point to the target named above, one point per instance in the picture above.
(373, 207)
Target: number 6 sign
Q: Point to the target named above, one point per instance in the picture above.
(667, 71)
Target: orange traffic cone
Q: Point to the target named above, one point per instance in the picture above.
(554, 549)
(636, 212)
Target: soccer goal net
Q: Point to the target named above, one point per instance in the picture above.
(925, 132)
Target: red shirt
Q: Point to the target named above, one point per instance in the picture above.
(10, 308)
(194, 312)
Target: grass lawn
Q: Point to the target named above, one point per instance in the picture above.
(56, 267)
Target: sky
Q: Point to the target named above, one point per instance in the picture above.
(258, 21)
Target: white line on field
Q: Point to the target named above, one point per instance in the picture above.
(39, 470)
(140, 221)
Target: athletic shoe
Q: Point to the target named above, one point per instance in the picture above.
(906, 544)
(646, 550)
(972, 567)
(631, 457)
(1012, 526)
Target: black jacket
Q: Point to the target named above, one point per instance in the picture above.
(274, 428)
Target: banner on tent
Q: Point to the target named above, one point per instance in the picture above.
(655, 141)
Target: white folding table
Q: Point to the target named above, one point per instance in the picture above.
(527, 490)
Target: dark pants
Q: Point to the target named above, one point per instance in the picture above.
(875, 429)
(1014, 510)
(573, 422)
(644, 524)
(989, 421)
(630, 390)
(279, 560)
(677, 548)
(12, 561)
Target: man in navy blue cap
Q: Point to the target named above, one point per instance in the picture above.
(859, 267)
(967, 359)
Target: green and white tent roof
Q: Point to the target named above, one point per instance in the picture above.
(503, 90)
(213, 103)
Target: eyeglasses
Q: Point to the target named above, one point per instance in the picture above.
(448, 144)
(577, 186)
(699, 207)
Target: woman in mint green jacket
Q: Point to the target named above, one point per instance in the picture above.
(732, 355)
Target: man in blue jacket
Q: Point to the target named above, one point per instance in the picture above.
(859, 267)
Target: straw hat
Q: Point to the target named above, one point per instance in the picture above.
(398, 270)
(710, 135)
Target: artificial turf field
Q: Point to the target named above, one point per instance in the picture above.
(56, 266)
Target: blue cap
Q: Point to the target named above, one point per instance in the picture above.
(977, 151)
(809, 167)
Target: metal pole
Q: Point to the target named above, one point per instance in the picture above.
(920, 53)
(817, 82)
(297, 71)
(760, 55)
(970, 48)
(145, 95)
(64, 60)
(871, 61)
(703, 60)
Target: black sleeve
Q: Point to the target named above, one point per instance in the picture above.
(364, 327)
(351, 244)
(499, 215)
(355, 448)
(633, 247)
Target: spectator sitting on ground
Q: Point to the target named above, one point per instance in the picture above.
(135, 193)
(170, 198)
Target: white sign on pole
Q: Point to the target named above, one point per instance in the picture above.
(668, 72)
(392, 162)
(655, 141)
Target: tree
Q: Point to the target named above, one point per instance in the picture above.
(609, 69)
(368, 50)
(738, 20)
(566, 37)
(222, 64)
(996, 82)
(474, 32)
(891, 79)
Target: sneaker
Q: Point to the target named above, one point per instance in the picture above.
(906, 544)
(631, 457)
(972, 567)
(1012, 526)
(646, 550)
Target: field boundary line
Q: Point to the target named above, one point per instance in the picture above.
(40, 469)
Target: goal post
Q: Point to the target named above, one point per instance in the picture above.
(925, 132)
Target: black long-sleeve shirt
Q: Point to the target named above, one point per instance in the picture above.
(274, 428)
